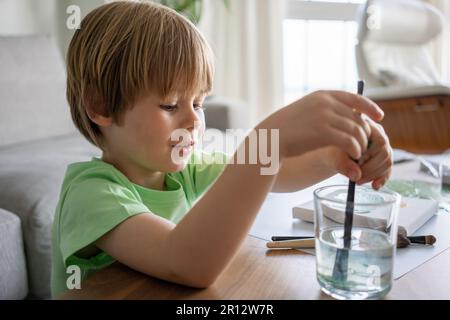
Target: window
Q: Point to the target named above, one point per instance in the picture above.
(319, 39)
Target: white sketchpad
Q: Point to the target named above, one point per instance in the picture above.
(413, 213)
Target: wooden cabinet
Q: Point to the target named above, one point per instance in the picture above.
(419, 125)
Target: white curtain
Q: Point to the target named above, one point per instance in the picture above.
(247, 42)
(441, 46)
(445, 60)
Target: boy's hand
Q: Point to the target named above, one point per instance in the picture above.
(377, 161)
(324, 119)
(375, 165)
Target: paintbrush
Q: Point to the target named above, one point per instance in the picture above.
(293, 242)
(341, 261)
(404, 241)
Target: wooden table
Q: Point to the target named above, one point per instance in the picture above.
(257, 273)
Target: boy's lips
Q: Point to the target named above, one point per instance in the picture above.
(183, 149)
(184, 145)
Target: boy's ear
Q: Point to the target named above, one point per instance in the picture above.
(99, 119)
(96, 109)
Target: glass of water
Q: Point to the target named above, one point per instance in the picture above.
(444, 174)
(363, 268)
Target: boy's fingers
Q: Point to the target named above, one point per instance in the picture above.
(378, 132)
(353, 129)
(359, 118)
(378, 183)
(347, 167)
(346, 143)
(357, 123)
(359, 103)
(363, 120)
(376, 162)
(380, 145)
(375, 169)
(384, 174)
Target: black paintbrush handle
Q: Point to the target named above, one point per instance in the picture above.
(341, 260)
(348, 222)
(283, 238)
(418, 239)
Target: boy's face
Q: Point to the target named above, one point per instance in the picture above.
(143, 138)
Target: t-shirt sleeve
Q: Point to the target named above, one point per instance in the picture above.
(205, 168)
(91, 209)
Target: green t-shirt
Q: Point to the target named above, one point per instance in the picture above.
(96, 197)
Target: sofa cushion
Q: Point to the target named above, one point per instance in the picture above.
(32, 90)
(13, 273)
(31, 175)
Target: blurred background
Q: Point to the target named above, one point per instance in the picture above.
(268, 52)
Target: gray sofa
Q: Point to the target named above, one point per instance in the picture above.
(37, 142)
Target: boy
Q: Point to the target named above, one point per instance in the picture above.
(137, 72)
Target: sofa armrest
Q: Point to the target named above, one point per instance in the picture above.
(13, 269)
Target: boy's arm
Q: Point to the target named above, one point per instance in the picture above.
(300, 172)
(196, 250)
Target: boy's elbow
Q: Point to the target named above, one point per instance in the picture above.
(190, 279)
(200, 284)
(197, 272)
(194, 279)
(198, 281)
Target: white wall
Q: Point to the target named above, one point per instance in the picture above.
(41, 16)
(26, 16)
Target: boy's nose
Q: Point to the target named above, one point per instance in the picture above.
(193, 119)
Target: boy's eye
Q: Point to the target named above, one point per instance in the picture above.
(169, 107)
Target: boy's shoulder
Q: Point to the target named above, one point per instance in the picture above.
(96, 173)
(94, 170)
(95, 182)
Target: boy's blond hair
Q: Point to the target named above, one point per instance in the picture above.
(126, 49)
